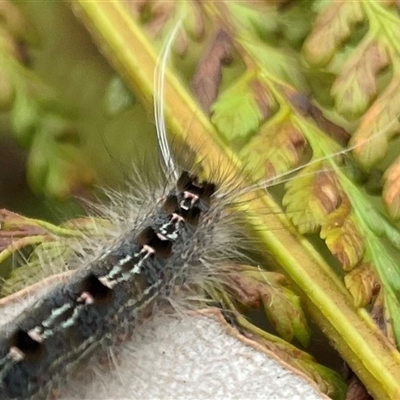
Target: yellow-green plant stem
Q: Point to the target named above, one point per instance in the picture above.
(21, 243)
(366, 350)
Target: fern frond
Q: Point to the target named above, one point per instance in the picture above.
(37, 117)
(363, 284)
(361, 47)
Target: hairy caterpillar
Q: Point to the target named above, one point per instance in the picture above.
(106, 278)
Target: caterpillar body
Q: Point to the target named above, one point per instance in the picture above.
(103, 301)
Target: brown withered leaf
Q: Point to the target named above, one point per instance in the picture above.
(379, 124)
(262, 98)
(302, 103)
(363, 284)
(325, 189)
(311, 197)
(17, 231)
(378, 315)
(391, 189)
(281, 305)
(356, 86)
(285, 149)
(356, 390)
(331, 29)
(208, 74)
(156, 16)
(14, 226)
(343, 238)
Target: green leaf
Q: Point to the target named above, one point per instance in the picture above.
(284, 312)
(281, 305)
(328, 380)
(239, 110)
